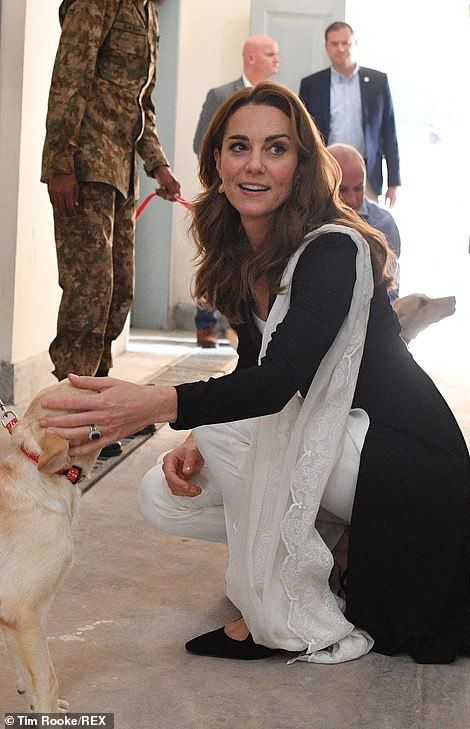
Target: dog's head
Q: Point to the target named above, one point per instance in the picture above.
(53, 451)
(417, 311)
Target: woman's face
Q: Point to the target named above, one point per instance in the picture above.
(257, 164)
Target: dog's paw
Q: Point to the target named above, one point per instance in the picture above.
(62, 706)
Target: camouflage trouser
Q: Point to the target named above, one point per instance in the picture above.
(95, 254)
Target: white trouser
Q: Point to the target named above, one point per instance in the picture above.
(214, 513)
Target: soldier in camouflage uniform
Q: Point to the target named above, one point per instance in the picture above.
(100, 114)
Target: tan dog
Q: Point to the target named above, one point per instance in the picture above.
(417, 311)
(37, 504)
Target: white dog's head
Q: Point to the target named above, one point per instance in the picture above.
(53, 451)
(417, 311)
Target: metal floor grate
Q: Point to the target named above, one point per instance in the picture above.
(195, 365)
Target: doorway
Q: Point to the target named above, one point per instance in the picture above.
(422, 47)
(151, 307)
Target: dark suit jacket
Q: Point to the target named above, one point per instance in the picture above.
(215, 97)
(378, 120)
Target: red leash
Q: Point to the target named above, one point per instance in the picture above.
(145, 202)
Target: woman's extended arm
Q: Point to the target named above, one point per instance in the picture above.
(321, 296)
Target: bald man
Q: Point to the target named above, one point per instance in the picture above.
(260, 62)
(416, 311)
(352, 191)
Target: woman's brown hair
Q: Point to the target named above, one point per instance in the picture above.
(228, 266)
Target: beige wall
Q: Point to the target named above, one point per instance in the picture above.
(212, 34)
(11, 69)
(36, 276)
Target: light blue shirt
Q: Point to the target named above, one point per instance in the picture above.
(346, 111)
(382, 220)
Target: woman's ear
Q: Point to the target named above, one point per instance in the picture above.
(217, 159)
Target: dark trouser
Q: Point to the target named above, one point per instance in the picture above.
(205, 318)
(95, 255)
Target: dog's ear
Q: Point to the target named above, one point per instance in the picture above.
(55, 451)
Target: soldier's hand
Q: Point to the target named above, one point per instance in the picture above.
(169, 185)
(63, 193)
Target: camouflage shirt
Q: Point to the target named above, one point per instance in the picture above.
(100, 109)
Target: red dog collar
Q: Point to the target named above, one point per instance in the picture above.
(73, 474)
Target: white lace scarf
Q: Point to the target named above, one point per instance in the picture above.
(277, 548)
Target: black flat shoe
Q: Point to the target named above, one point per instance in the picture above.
(218, 644)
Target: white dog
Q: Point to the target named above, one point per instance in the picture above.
(38, 499)
(417, 311)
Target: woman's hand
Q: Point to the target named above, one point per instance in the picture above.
(181, 465)
(117, 408)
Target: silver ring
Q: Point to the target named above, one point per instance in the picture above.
(95, 433)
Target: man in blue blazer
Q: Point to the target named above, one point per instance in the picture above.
(353, 105)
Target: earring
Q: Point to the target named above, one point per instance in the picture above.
(221, 188)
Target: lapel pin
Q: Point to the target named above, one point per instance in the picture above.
(366, 79)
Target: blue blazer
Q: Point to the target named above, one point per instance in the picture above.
(378, 120)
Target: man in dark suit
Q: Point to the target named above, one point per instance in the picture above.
(260, 62)
(353, 105)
